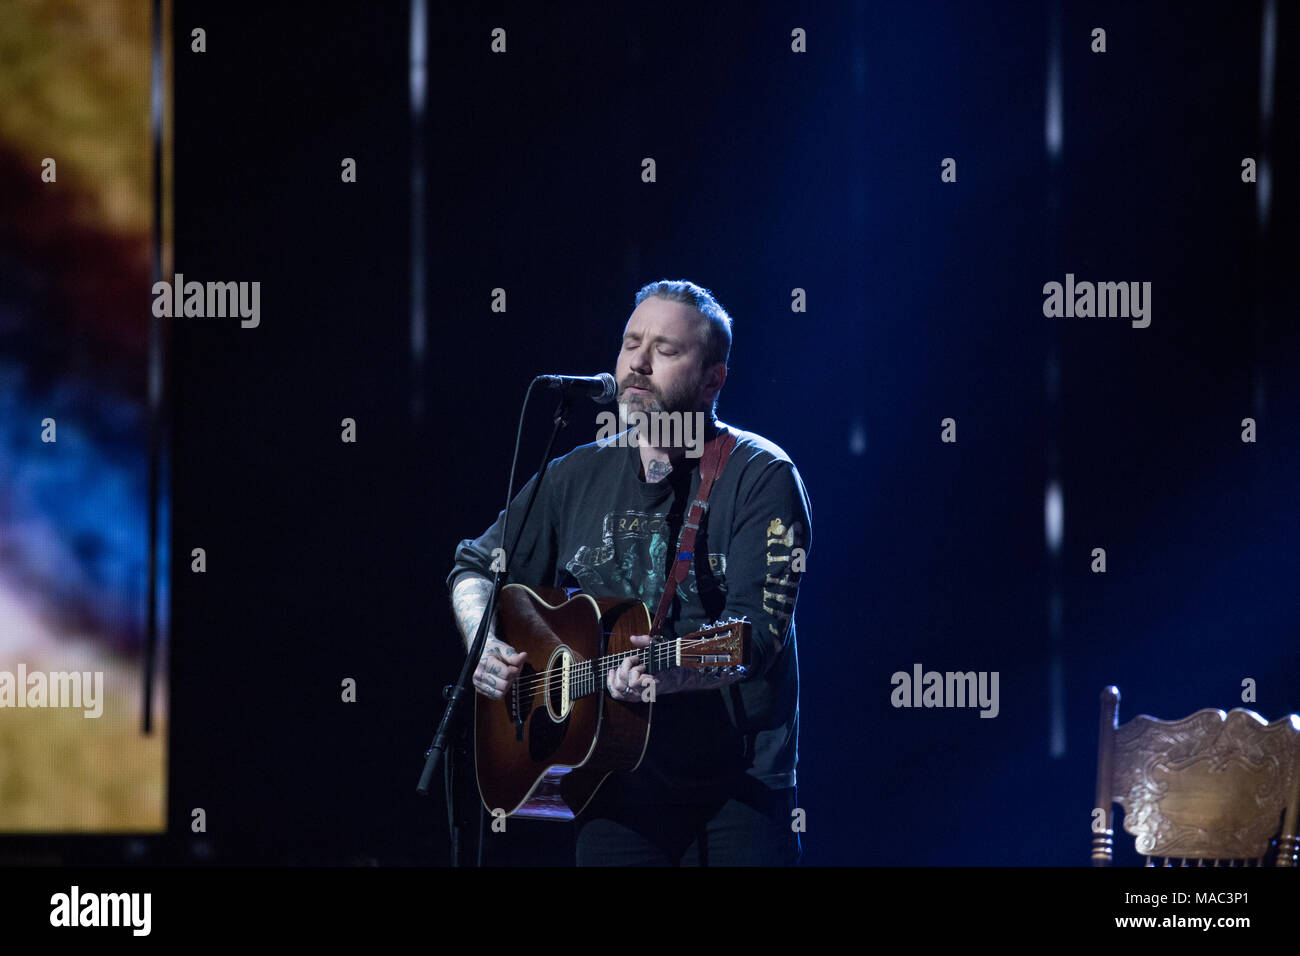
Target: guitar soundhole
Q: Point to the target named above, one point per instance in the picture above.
(558, 671)
(555, 692)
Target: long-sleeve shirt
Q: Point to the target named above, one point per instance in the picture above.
(598, 526)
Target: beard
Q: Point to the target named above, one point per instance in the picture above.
(675, 421)
(681, 399)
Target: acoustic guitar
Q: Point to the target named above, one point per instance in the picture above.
(545, 748)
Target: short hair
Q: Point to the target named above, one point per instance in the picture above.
(717, 323)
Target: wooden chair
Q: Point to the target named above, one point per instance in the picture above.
(1207, 790)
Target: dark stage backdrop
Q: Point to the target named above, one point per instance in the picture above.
(775, 171)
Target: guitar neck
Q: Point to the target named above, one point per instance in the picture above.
(588, 677)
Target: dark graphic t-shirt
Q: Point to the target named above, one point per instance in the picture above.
(598, 526)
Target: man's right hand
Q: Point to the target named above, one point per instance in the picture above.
(499, 665)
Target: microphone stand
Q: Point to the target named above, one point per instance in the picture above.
(456, 695)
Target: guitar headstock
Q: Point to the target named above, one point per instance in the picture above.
(722, 648)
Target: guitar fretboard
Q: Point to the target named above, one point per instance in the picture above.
(588, 677)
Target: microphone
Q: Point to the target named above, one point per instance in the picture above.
(599, 388)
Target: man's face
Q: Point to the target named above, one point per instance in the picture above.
(659, 366)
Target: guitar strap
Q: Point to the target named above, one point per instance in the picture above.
(716, 452)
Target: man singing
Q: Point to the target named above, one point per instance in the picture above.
(717, 783)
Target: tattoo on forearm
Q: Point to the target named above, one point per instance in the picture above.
(469, 600)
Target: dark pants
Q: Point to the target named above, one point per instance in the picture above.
(751, 827)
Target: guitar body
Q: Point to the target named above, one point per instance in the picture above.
(542, 751)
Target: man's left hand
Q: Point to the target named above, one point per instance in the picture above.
(628, 681)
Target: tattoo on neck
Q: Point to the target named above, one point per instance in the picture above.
(657, 470)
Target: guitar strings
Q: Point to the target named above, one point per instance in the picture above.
(586, 669)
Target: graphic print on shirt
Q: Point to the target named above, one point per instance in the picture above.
(631, 558)
(784, 566)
